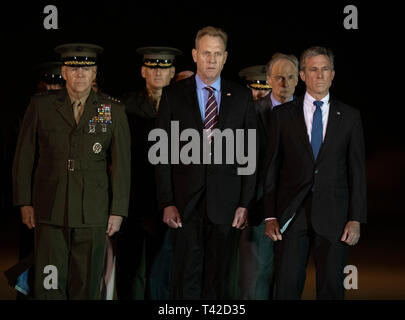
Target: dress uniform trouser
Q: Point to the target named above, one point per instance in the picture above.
(256, 264)
(77, 254)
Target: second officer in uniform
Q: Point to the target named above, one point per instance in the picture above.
(143, 231)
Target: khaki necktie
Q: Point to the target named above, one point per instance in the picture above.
(77, 106)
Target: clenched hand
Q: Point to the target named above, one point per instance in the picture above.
(27, 216)
(114, 225)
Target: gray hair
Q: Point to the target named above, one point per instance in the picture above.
(280, 56)
(213, 32)
(316, 51)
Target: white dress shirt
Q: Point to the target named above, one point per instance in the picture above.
(309, 109)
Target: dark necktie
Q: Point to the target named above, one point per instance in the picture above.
(317, 128)
(211, 113)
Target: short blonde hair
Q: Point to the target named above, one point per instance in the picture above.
(213, 32)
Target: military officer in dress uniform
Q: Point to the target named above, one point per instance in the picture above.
(143, 231)
(255, 78)
(68, 197)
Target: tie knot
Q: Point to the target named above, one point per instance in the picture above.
(318, 103)
(210, 89)
(77, 104)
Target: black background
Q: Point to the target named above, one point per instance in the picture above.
(368, 63)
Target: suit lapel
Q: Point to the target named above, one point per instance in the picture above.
(147, 106)
(299, 124)
(90, 109)
(334, 118)
(192, 102)
(226, 97)
(264, 115)
(64, 107)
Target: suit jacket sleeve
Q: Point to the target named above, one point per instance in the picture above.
(24, 157)
(357, 173)
(272, 168)
(248, 193)
(120, 166)
(163, 170)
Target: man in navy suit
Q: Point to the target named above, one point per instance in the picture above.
(315, 193)
(205, 204)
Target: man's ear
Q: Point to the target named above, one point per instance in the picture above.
(268, 78)
(64, 71)
(95, 72)
(226, 56)
(194, 54)
(172, 72)
(296, 81)
(143, 72)
(302, 75)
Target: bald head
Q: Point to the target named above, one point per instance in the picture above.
(283, 78)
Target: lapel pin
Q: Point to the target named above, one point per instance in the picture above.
(228, 94)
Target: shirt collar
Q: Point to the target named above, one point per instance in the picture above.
(311, 99)
(275, 102)
(201, 85)
(82, 99)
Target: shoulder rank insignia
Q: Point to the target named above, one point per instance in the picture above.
(113, 99)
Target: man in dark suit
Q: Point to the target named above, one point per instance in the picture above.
(203, 202)
(256, 249)
(71, 201)
(315, 191)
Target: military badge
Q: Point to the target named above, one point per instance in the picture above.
(92, 126)
(97, 147)
(103, 117)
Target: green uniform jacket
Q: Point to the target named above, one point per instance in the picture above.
(85, 195)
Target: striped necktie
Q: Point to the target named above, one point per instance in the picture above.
(211, 113)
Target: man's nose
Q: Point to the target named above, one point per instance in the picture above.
(79, 72)
(284, 82)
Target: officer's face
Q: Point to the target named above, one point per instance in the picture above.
(157, 78)
(257, 94)
(283, 80)
(317, 75)
(210, 57)
(79, 79)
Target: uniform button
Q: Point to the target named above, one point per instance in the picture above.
(316, 171)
